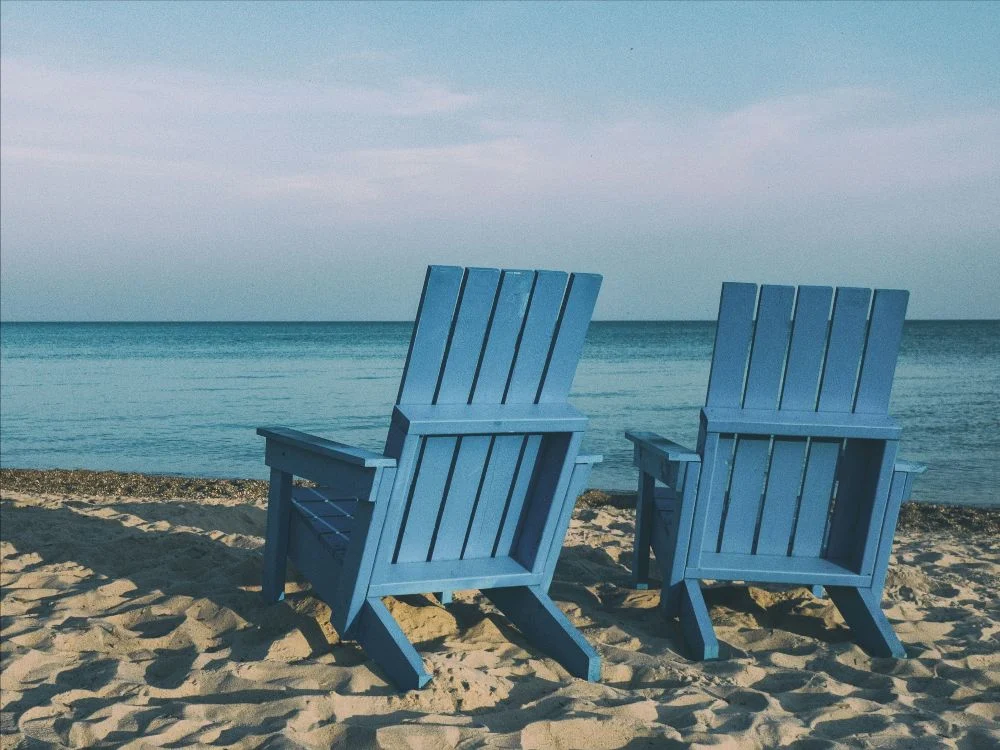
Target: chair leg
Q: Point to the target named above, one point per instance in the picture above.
(546, 627)
(279, 509)
(670, 600)
(862, 610)
(444, 597)
(817, 591)
(643, 530)
(383, 640)
(699, 635)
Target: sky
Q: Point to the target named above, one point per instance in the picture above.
(306, 161)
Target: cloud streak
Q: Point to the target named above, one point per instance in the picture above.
(862, 164)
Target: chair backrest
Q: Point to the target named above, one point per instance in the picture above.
(796, 437)
(485, 336)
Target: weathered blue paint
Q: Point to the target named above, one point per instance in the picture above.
(795, 479)
(477, 481)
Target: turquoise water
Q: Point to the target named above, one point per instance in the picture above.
(184, 398)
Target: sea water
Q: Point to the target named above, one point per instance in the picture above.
(185, 398)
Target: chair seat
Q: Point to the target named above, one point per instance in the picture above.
(329, 516)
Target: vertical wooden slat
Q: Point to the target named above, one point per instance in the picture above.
(467, 336)
(458, 376)
(574, 320)
(430, 335)
(536, 337)
(548, 490)
(429, 486)
(501, 341)
(817, 490)
(843, 356)
(500, 469)
(732, 344)
(523, 386)
(717, 456)
(805, 353)
(867, 546)
(482, 525)
(770, 343)
(643, 530)
(745, 489)
(885, 333)
(781, 496)
(518, 493)
(470, 463)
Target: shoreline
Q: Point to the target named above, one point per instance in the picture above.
(914, 516)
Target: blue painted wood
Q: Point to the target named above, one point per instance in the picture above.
(781, 497)
(279, 501)
(348, 454)
(817, 491)
(795, 423)
(460, 504)
(696, 625)
(550, 554)
(359, 558)
(546, 627)
(807, 347)
(378, 633)
(501, 344)
(494, 492)
(775, 569)
(431, 333)
(863, 613)
(550, 485)
(505, 454)
(567, 346)
(513, 511)
(481, 447)
(536, 338)
(442, 575)
(899, 493)
(429, 487)
(468, 335)
(770, 343)
(798, 481)
(717, 455)
(428, 343)
(843, 355)
(745, 490)
(489, 419)
(885, 334)
(643, 531)
(733, 334)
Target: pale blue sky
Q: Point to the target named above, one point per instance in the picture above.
(305, 161)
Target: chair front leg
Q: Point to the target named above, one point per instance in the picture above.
(279, 509)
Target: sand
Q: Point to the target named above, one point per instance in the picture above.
(136, 621)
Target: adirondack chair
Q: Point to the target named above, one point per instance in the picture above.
(478, 479)
(795, 479)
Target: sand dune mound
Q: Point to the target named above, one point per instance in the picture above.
(137, 622)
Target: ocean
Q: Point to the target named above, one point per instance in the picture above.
(185, 398)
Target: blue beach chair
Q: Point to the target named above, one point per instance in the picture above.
(795, 479)
(478, 480)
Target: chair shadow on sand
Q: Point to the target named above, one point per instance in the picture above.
(195, 557)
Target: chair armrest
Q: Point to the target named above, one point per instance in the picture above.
(592, 459)
(661, 448)
(326, 448)
(910, 467)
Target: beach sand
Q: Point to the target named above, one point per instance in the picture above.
(131, 616)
